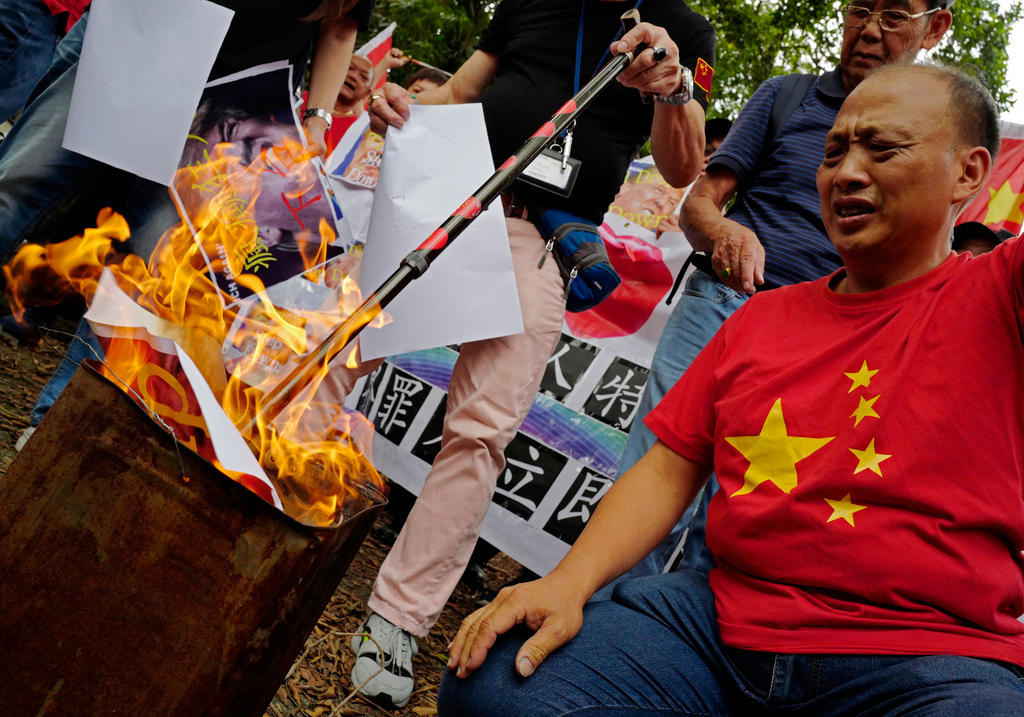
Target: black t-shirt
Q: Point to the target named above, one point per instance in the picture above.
(270, 30)
(535, 42)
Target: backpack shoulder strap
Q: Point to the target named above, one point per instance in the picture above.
(791, 93)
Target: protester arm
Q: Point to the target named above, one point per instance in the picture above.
(677, 133)
(327, 73)
(677, 142)
(391, 105)
(733, 246)
(657, 488)
(392, 60)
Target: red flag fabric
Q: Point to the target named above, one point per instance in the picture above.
(376, 48)
(999, 204)
(74, 9)
(703, 76)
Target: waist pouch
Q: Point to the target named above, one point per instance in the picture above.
(582, 259)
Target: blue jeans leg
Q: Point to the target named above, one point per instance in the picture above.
(66, 54)
(705, 306)
(652, 649)
(37, 175)
(877, 685)
(28, 36)
(78, 350)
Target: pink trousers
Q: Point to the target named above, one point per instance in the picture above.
(492, 388)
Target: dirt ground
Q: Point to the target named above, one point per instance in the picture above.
(319, 681)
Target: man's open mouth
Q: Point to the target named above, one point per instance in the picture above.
(853, 211)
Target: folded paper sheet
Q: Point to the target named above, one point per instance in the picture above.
(430, 166)
(143, 67)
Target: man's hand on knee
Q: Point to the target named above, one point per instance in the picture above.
(552, 606)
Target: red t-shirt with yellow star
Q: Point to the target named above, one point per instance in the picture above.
(870, 451)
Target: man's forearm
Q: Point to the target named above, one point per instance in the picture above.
(699, 218)
(632, 518)
(677, 141)
(466, 84)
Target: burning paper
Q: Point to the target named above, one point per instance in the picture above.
(244, 161)
(199, 333)
(170, 384)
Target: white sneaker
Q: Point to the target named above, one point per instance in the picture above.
(385, 675)
(23, 438)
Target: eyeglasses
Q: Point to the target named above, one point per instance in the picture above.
(858, 16)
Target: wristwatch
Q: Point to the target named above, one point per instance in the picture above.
(685, 92)
(318, 112)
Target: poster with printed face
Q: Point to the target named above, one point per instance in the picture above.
(244, 160)
(647, 200)
(565, 455)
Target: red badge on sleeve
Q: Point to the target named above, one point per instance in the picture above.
(703, 76)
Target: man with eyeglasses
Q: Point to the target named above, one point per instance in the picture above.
(773, 234)
(869, 563)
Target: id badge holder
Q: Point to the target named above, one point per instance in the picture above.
(554, 171)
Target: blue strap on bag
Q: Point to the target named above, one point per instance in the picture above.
(581, 256)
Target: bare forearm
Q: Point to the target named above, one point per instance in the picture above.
(677, 141)
(737, 256)
(701, 219)
(330, 62)
(392, 106)
(466, 84)
(632, 518)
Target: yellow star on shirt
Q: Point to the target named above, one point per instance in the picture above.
(869, 459)
(844, 509)
(773, 453)
(1004, 205)
(861, 377)
(865, 409)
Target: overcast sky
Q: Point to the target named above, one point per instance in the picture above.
(1015, 70)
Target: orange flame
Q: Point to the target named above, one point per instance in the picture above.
(311, 452)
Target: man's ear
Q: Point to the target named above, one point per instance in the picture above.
(940, 23)
(975, 169)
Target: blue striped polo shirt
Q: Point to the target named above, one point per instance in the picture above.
(779, 200)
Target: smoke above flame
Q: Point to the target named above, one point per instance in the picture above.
(311, 450)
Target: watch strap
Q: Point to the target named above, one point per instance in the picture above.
(684, 93)
(318, 112)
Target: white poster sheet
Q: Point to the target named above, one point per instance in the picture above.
(140, 76)
(430, 166)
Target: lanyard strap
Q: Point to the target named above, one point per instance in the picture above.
(579, 48)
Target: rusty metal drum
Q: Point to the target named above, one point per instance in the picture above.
(136, 579)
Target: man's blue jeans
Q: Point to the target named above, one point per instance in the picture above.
(705, 306)
(654, 648)
(29, 32)
(84, 345)
(37, 175)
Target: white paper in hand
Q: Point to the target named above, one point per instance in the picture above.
(143, 67)
(430, 166)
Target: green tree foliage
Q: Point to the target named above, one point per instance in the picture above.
(757, 39)
(442, 33)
